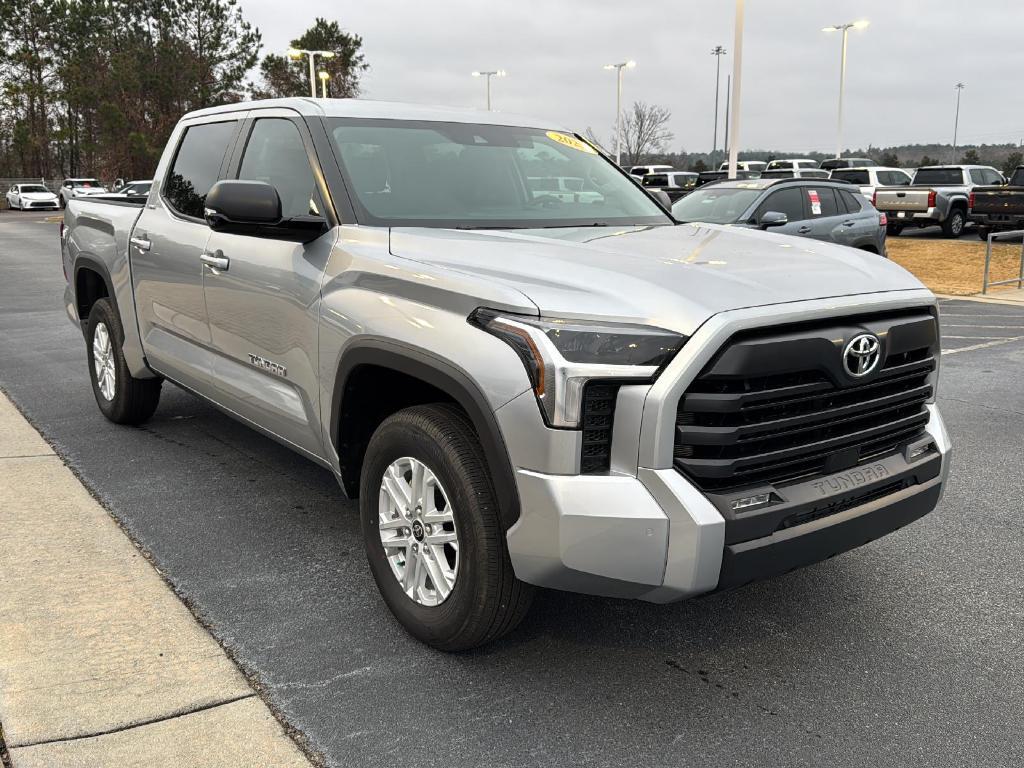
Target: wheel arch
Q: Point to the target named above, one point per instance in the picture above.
(91, 283)
(437, 375)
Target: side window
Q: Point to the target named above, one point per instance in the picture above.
(196, 166)
(821, 202)
(275, 154)
(849, 200)
(787, 201)
(993, 177)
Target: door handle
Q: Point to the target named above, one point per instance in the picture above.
(216, 263)
(141, 243)
(849, 223)
(804, 230)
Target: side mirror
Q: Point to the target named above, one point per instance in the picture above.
(254, 208)
(662, 197)
(772, 219)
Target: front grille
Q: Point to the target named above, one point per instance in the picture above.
(776, 406)
(597, 417)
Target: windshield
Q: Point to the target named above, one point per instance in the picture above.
(26, 188)
(84, 182)
(715, 205)
(939, 176)
(434, 174)
(854, 177)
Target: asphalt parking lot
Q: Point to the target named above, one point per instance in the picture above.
(904, 652)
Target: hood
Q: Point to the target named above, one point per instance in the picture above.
(37, 196)
(673, 277)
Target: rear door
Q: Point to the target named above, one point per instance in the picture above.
(166, 245)
(264, 307)
(824, 221)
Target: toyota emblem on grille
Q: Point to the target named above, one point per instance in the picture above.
(862, 354)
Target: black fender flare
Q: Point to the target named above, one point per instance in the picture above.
(453, 381)
(84, 261)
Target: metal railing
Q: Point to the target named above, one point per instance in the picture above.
(1019, 280)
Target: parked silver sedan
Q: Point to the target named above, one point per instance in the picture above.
(820, 209)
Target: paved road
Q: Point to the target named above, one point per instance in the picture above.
(905, 652)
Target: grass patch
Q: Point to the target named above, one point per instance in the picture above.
(954, 266)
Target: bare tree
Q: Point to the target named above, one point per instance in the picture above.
(594, 139)
(644, 130)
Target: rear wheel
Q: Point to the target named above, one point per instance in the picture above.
(120, 396)
(953, 226)
(893, 230)
(433, 539)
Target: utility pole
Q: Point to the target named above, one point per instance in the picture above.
(487, 75)
(737, 68)
(845, 29)
(718, 51)
(618, 104)
(298, 53)
(728, 88)
(956, 121)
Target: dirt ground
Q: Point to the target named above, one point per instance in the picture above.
(954, 266)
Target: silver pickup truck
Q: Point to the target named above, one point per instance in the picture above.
(521, 389)
(938, 197)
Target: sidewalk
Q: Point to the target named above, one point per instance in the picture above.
(100, 663)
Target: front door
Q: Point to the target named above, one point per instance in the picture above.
(166, 245)
(264, 302)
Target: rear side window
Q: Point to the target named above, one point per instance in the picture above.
(938, 176)
(788, 201)
(821, 202)
(655, 180)
(196, 167)
(854, 177)
(276, 155)
(850, 201)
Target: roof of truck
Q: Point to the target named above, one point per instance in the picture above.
(387, 110)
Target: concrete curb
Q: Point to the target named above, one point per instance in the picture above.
(1016, 297)
(100, 663)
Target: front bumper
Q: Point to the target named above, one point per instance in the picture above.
(657, 538)
(645, 531)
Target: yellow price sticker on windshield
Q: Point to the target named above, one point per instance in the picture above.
(571, 141)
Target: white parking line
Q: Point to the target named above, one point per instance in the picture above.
(981, 346)
(980, 314)
(968, 325)
(976, 338)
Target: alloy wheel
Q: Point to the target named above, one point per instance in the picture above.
(417, 529)
(103, 361)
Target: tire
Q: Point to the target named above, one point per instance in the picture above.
(984, 232)
(126, 400)
(486, 599)
(954, 224)
(893, 230)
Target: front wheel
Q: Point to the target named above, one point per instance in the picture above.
(984, 232)
(953, 226)
(433, 538)
(121, 397)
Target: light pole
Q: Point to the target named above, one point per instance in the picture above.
(728, 89)
(956, 121)
(488, 75)
(324, 77)
(737, 69)
(718, 51)
(844, 28)
(618, 104)
(298, 53)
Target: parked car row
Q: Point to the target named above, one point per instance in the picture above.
(36, 196)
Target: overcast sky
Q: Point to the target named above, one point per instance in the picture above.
(901, 70)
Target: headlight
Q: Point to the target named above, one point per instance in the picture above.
(561, 356)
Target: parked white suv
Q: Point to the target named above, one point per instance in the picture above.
(79, 187)
(791, 163)
(868, 179)
(746, 165)
(639, 171)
